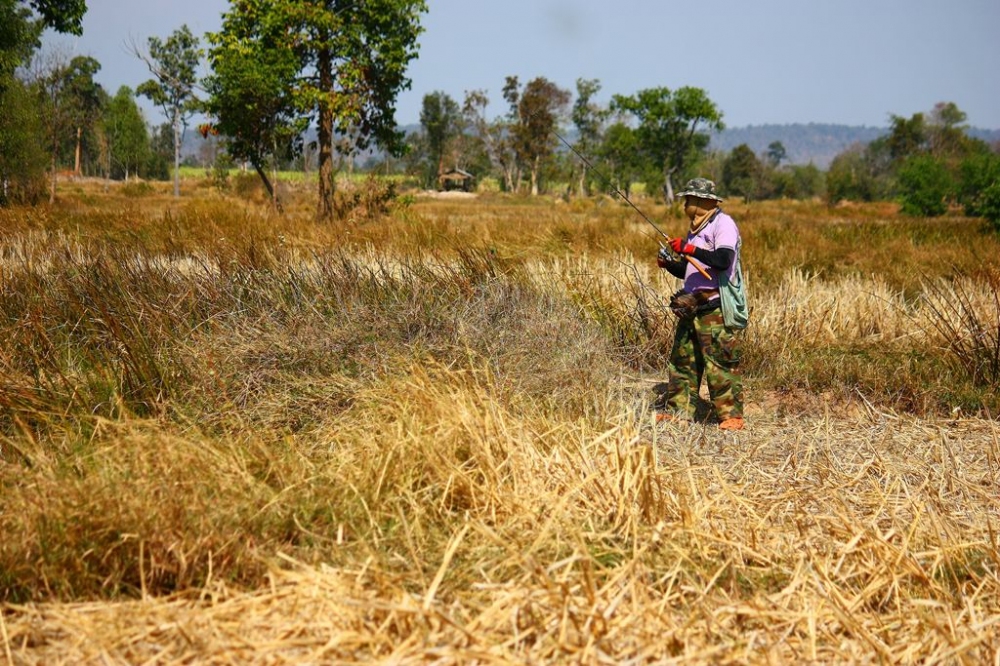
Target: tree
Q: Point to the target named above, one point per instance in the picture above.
(741, 172)
(588, 118)
(21, 25)
(61, 15)
(850, 177)
(495, 136)
(85, 98)
(672, 127)
(251, 90)
(906, 137)
(979, 178)
(67, 97)
(126, 135)
(776, 153)
(538, 110)
(620, 153)
(925, 185)
(441, 121)
(22, 155)
(174, 65)
(20, 28)
(346, 65)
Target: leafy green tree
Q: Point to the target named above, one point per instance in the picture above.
(161, 153)
(947, 131)
(85, 99)
(22, 155)
(620, 155)
(588, 118)
(924, 185)
(174, 64)
(776, 153)
(741, 173)
(851, 178)
(538, 109)
(346, 63)
(906, 137)
(126, 135)
(21, 126)
(796, 181)
(672, 127)
(989, 204)
(61, 15)
(57, 84)
(977, 175)
(251, 90)
(441, 121)
(495, 136)
(21, 25)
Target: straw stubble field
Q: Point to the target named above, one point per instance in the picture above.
(235, 438)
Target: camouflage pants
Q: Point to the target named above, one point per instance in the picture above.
(703, 346)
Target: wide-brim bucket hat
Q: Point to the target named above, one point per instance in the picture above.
(700, 187)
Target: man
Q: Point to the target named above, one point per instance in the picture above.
(703, 344)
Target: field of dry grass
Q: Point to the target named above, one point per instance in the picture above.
(230, 437)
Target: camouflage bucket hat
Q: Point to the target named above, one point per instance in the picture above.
(700, 187)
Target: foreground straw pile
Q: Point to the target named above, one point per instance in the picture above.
(865, 539)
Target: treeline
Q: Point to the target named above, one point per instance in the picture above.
(54, 117)
(287, 86)
(928, 162)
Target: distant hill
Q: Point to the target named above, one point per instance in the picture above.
(811, 143)
(814, 143)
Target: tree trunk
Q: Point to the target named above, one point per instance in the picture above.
(52, 188)
(668, 187)
(271, 191)
(177, 155)
(582, 188)
(324, 207)
(534, 176)
(76, 164)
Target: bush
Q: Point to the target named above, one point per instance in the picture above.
(22, 158)
(978, 176)
(989, 206)
(924, 186)
(851, 177)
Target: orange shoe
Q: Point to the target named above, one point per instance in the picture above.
(733, 423)
(667, 417)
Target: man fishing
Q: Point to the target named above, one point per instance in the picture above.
(705, 344)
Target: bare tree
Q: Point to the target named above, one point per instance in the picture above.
(174, 65)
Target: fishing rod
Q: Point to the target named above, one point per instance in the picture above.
(616, 190)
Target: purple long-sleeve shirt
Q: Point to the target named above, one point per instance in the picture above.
(719, 234)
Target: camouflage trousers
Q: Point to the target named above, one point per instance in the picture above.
(704, 347)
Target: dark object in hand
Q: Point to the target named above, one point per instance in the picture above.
(663, 258)
(684, 304)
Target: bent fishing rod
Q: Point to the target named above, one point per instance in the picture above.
(616, 190)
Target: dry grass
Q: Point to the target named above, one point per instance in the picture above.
(228, 438)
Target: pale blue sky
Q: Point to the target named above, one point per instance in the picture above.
(851, 62)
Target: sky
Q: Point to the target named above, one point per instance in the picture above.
(848, 62)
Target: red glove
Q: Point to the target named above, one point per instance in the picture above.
(680, 247)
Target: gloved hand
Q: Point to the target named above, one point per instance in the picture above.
(681, 247)
(662, 258)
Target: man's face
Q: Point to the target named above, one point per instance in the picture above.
(695, 206)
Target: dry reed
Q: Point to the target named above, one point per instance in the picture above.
(224, 441)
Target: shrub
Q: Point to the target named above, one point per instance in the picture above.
(924, 186)
(850, 178)
(979, 186)
(989, 206)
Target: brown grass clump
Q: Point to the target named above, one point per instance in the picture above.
(804, 539)
(232, 437)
